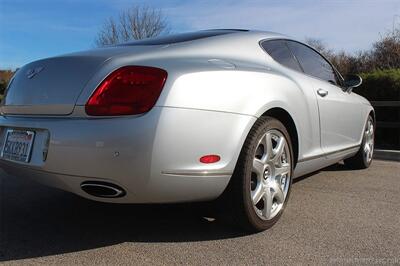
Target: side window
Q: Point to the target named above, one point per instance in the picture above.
(312, 63)
(279, 51)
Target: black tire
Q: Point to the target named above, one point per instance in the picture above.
(360, 160)
(237, 197)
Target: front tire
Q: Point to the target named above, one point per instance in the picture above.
(363, 157)
(260, 186)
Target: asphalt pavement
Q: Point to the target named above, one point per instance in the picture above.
(334, 216)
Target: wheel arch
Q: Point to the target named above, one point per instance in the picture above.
(367, 114)
(286, 119)
(372, 113)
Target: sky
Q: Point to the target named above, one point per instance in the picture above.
(35, 29)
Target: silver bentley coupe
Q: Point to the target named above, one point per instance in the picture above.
(226, 115)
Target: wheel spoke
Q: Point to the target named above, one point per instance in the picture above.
(366, 148)
(369, 133)
(277, 192)
(282, 170)
(280, 148)
(279, 195)
(370, 151)
(258, 168)
(367, 151)
(366, 156)
(268, 146)
(257, 194)
(370, 137)
(266, 212)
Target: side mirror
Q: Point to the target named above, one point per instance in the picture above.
(352, 81)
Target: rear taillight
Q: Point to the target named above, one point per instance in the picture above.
(128, 90)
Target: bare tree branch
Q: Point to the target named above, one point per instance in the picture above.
(385, 54)
(136, 23)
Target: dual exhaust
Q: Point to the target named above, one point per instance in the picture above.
(103, 189)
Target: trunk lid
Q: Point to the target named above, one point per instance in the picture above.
(50, 86)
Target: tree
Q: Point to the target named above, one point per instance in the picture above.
(340, 60)
(5, 77)
(320, 46)
(386, 52)
(136, 23)
(343, 62)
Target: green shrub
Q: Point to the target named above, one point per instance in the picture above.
(380, 85)
(383, 85)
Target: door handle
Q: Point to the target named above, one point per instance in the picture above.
(322, 92)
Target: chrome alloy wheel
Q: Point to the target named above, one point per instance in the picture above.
(270, 175)
(369, 141)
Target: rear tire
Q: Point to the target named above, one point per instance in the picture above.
(260, 186)
(363, 157)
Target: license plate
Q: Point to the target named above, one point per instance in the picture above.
(17, 145)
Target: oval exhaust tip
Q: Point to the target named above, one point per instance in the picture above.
(102, 189)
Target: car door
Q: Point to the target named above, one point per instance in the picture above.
(339, 121)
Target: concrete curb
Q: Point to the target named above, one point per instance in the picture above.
(391, 155)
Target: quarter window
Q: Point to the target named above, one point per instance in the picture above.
(313, 63)
(279, 51)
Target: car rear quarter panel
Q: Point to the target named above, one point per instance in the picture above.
(247, 91)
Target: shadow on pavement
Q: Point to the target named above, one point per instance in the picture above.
(337, 167)
(333, 168)
(39, 221)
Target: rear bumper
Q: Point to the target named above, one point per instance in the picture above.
(154, 157)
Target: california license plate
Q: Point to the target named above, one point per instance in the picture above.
(18, 145)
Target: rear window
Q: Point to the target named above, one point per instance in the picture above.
(279, 51)
(177, 38)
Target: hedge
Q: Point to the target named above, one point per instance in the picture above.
(383, 85)
(380, 85)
